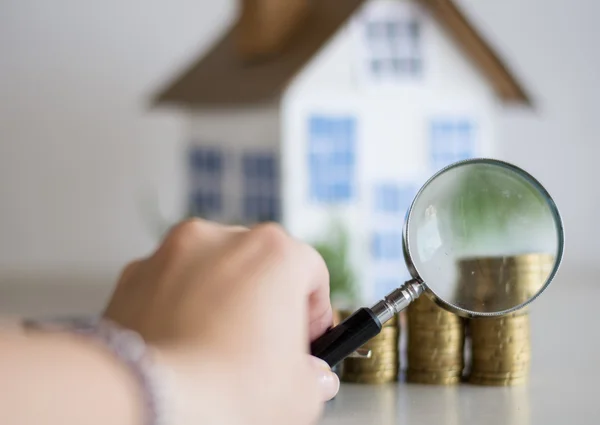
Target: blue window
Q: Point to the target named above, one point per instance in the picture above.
(387, 245)
(206, 175)
(451, 141)
(261, 187)
(392, 198)
(331, 158)
(394, 45)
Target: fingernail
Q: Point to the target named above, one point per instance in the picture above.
(328, 381)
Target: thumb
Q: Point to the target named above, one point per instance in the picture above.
(329, 383)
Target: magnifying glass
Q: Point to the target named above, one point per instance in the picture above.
(464, 233)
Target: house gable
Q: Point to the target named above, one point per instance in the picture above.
(223, 78)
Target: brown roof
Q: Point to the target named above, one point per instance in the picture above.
(223, 78)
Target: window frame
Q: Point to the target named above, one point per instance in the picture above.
(451, 139)
(331, 158)
(261, 186)
(206, 171)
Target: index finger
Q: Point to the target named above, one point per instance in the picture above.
(320, 313)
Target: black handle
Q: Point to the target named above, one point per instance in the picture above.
(339, 342)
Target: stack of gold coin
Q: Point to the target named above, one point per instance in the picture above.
(435, 344)
(501, 350)
(500, 347)
(383, 364)
(500, 283)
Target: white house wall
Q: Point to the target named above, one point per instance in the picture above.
(235, 132)
(393, 124)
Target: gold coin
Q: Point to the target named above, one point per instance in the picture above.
(493, 341)
(450, 370)
(495, 361)
(520, 318)
(434, 364)
(497, 340)
(372, 362)
(370, 381)
(499, 375)
(433, 321)
(436, 333)
(441, 327)
(449, 350)
(500, 336)
(500, 368)
(435, 348)
(497, 383)
(440, 373)
(365, 379)
(514, 358)
(439, 353)
(369, 366)
(380, 348)
(502, 346)
(431, 378)
(382, 343)
(435, 329)
(500, 332)
(502, 350)
(437, 362)
(390, 347)
(371, 376)
(504, 363)
(497, 263)
(479, 380)
(385, 338)
(502, 323)
(358, 369)
(416, 340)
(379, 356)
(517, 338)
(433, 342)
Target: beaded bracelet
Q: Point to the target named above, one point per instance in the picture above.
(129, 348)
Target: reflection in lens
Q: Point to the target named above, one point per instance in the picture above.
(484, 236)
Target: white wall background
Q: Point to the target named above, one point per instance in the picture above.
(77, 144)
(78, 148)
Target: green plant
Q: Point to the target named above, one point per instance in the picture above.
(489, 209)
(335, 252)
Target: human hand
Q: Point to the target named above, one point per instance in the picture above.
(231, 311)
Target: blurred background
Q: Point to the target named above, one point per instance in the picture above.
(91, 173)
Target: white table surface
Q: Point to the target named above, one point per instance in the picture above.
(563, 388)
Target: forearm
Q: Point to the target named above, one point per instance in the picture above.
(52, 379)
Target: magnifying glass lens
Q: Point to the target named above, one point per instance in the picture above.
(485, 237)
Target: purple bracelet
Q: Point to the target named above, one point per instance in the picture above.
(128, 347)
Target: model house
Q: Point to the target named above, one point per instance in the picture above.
(306, 112)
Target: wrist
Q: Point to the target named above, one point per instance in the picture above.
(194, 387)
(41, 367)
(133, 362)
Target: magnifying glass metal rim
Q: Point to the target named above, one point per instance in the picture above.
(430, 292)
